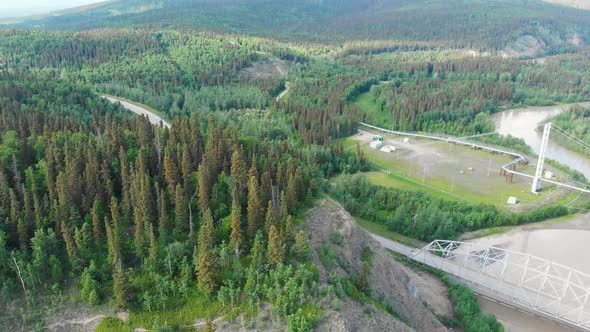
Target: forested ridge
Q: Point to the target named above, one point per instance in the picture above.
(201, 218)
(143, 214)
(444, 94)
(476, 24)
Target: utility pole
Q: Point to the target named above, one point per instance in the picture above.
(541, 161)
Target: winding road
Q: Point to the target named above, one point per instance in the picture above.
(284, 93)
(152, 117)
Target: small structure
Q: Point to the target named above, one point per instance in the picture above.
(376, 144)
(548, 175)
(406, 140)
(512, 200)
(470, 169)
(388, 148)
(378, 138)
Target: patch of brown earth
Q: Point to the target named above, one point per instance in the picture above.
(525, 46)
(417, 297)
(75, 318)
(265, 68)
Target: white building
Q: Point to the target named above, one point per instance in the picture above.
(512, 200)
(376, 144)
(406, 140)
(548, 175)
(388, 148)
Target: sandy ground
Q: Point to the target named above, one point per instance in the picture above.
(416, 296)
(514, 320)
(265, 69)
(61, 318)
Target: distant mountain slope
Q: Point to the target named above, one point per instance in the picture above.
(492, 24)
(582, 4)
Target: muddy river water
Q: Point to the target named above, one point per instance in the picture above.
(565, 242)
(522, 123)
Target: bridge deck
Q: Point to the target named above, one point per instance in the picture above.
(536, 286)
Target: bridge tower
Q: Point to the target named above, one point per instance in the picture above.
(541, 161)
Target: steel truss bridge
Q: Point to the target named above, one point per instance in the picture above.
(533, 284)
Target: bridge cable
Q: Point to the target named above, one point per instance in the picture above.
(571, 137)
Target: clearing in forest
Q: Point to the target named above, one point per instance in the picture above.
(452, 171)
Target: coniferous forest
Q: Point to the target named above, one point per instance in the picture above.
(101, 207)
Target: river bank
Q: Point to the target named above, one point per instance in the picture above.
(523, 123)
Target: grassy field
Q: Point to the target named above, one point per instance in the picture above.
(184, 313)
(394, 180)
(453, 172)
(374, 114)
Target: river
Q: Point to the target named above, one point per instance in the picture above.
(522, 123)
(563, 242)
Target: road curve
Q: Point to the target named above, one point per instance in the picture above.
(153, 118)
(287, 88)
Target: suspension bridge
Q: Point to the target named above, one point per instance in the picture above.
(509, 170)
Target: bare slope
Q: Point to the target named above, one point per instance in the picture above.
(417, 297)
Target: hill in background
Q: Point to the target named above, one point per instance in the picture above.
(494, 24)
(581, 4)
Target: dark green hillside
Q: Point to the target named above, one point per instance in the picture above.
(482, 24)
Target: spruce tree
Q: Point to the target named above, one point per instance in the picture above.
(186, 166)
(255, 209)
(236, 239)
(275, 253)
(301, 246)
(138, 238)
(153, 250)
(119, 300)
(270, 219)
(291, 194)
(257, 252)
(289, 231)
(181, 210)
(96, 222)
(204, 190)
(89, 290)
(170, 171)
(238, 170)
(208, 270)
(163, 218)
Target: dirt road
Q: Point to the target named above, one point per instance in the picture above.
(155, 119)
(287, 88)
